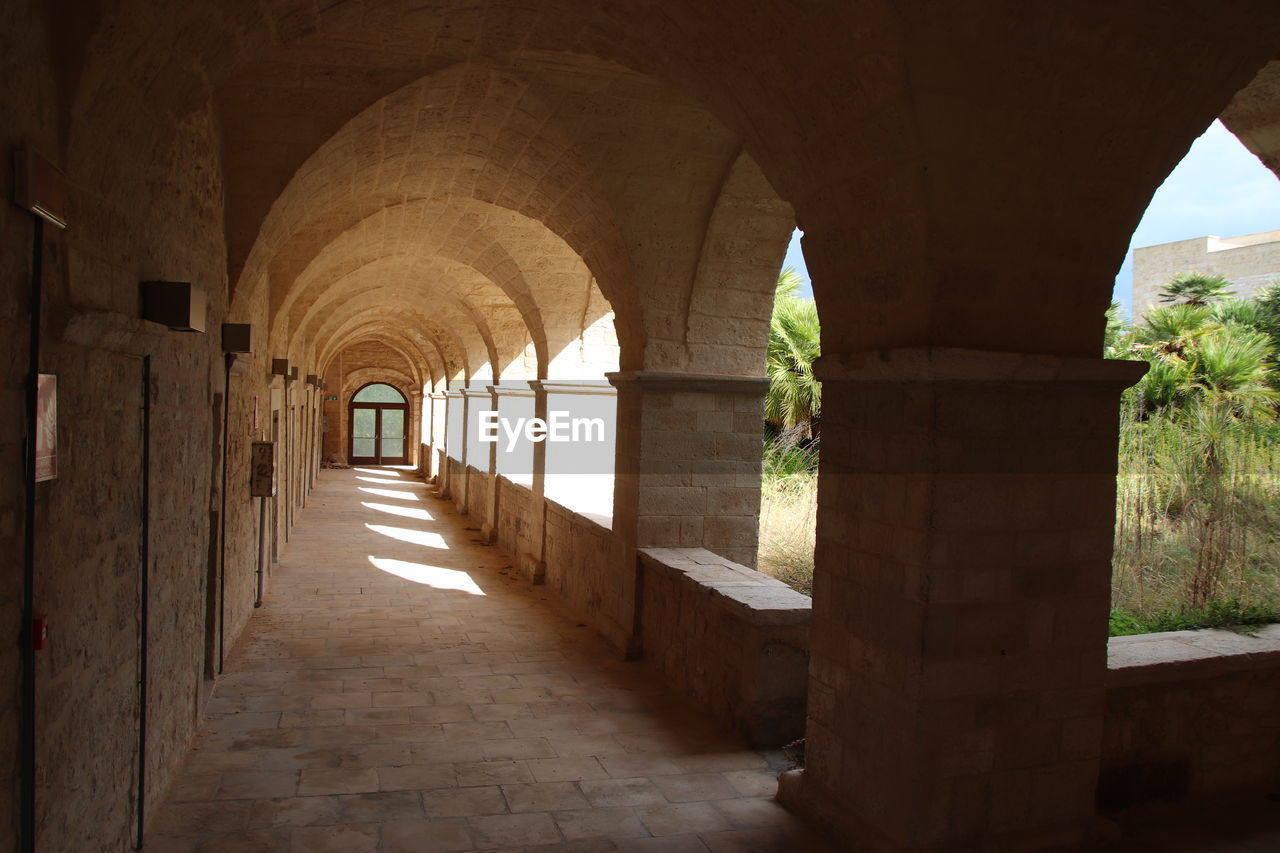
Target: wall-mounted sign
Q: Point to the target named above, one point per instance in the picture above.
(46, 427)
(332, 398)
(262, 469)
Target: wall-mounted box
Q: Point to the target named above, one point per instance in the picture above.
(38, 186)
(280, 366)
(180, 305)
(262, 469)
(313, 380)
(237, 337)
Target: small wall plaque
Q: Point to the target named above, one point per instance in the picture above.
(262, 469)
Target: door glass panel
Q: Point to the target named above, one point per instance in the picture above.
(363, 447)
(393, 433)
(364, 423)
(393, 423)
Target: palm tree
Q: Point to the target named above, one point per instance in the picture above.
(1195, 288)
(794, 398)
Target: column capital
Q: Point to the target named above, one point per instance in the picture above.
(510, 390)
(579, 387)
(711, 383)
(956, 365)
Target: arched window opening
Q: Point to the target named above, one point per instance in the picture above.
(789, 481)
(379, 418)
(1198, 496)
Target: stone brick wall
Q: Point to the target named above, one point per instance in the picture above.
(479, 493)
(1190, 713)
(514, 526)
(1251, 262)
(730, 638)
(584, 568)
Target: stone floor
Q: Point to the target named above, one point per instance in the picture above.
(402, 691)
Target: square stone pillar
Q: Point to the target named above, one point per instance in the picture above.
(525, 465)
(688, 468)
(958, 652)
(475, 454)
(455, 446)
(438, 413)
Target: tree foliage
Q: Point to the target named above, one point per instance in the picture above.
(794, 398)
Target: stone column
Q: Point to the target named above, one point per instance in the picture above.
(523, 466)
(958, 653)
(415, 429)
(475, 454)
(437, 436)
(455, 423)
(688, 470)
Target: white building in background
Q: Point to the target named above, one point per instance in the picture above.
(1251, 262)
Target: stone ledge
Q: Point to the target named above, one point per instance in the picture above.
(711, 383)
(755, 597)
(1180, 655)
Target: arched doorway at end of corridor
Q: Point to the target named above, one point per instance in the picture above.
(378, 420)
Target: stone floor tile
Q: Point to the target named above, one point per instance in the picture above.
(380, 807)
(505, 830)
(482, 773)
(566, 769)
(544, 797)
(754, 813)
(695, 786)
(463, 802)
(189, 818)
(622, 792)
(435, 836)
(416, 777)
(294, 811)
(341, 781)
(600, 823)
(753, 783)
(253, 785)
(627, 766)
(683, 819)
(669, 844)
(247, 841)
(335, 839)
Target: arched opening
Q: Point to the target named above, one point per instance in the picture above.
(378, 426)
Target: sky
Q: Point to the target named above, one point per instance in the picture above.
(1219, 188)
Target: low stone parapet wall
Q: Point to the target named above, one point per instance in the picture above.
(1190, 713)
(734, 640)
(583, 559)
(515, 519)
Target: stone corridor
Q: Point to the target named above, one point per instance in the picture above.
(401, 691)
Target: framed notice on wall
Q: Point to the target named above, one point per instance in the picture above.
(262, 469)
(46, 427)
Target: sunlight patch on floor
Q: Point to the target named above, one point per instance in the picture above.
(432, 576)
(404, 534)
(402, 511)
(378, 471)
(380, 480)
(389, 493)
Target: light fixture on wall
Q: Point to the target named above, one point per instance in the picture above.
(39, 187)
(237, 338)
(180, 305)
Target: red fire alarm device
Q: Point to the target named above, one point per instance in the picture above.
(40, 631)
